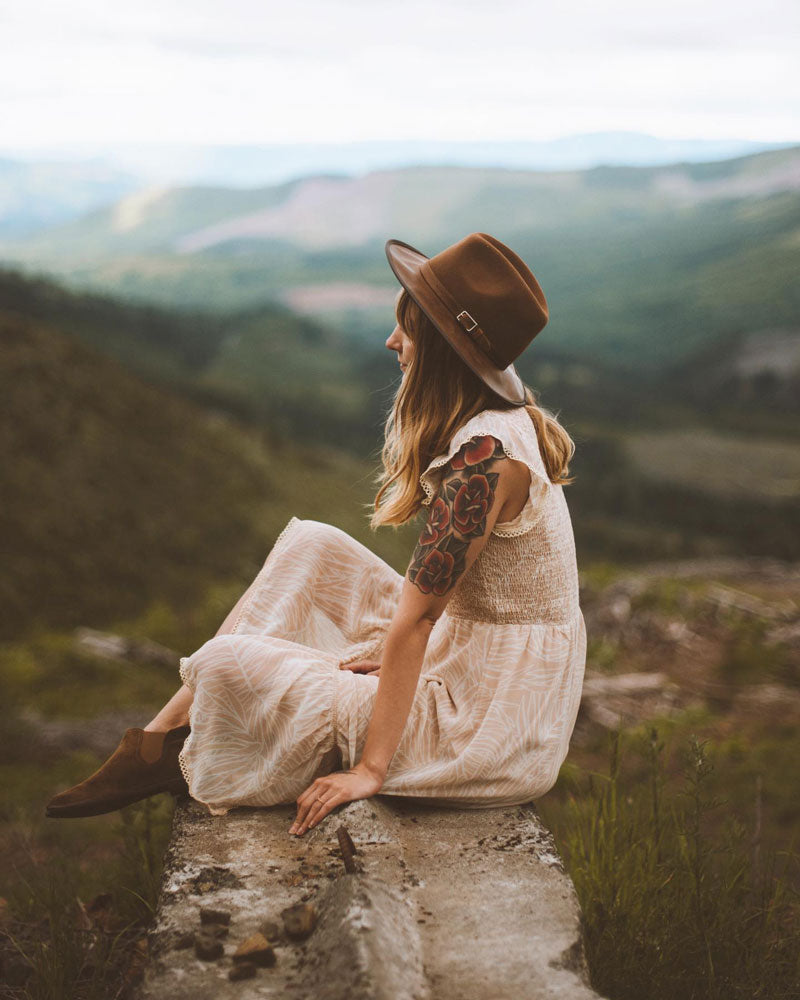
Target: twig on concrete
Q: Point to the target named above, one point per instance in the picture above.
(348, 849)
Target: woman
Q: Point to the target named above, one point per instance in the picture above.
(334, 677)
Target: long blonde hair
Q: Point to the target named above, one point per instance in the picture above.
(438, 394)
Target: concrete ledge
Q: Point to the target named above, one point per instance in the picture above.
(440, 903)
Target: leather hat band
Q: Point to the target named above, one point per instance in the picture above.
(464, 319)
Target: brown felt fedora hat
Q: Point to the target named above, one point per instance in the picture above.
(482, 298)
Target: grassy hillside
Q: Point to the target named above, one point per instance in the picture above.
(117, 493)
(116, 480)
(266, 365)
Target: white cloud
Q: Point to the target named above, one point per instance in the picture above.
(328, 70)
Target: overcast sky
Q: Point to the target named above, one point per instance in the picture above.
(342, 70)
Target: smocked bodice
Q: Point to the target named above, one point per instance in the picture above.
(527, 571)
(530, 577)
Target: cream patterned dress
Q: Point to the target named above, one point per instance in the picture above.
(500, 684)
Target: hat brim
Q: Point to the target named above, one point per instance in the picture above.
(406, 263)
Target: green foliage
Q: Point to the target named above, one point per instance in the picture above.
(76, 920)
(749, 658)
(142, 336)
(675, 903)
(602, 653)
(619, 513)
(121, 494)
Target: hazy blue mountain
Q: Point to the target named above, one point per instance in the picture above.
(41, 193)
(256, 164)
(328, 211)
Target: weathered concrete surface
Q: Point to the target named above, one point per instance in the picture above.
(447, 904)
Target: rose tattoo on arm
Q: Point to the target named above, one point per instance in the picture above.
(458, 514)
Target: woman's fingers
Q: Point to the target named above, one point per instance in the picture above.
(319, 810)
(314, 809)
(329, 791)
(361, 666)
(317, 787)
(304, 804)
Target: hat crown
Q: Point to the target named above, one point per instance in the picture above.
(497, 289)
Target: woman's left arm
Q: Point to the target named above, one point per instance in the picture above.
(474, 486)
(403, 653)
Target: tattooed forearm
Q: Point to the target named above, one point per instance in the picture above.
(458, 513)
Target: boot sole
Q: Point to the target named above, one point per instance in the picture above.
(98, 808)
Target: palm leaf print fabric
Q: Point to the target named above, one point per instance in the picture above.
(500, 684)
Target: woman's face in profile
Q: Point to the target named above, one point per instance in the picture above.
(400, 341)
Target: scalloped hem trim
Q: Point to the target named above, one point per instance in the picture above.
(182, 671)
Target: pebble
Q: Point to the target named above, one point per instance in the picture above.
(270, 930)
(255, 949)
(184, 940)
(207, 947)
(208, 915)
(299, 920)
(242, 970)
(215, 930)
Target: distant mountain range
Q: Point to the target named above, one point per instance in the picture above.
(45, 185)
(253, 164)
(35, 194)
(643, 266)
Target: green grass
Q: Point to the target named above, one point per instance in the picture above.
(681, 899)
(722, 464)
(80, 893)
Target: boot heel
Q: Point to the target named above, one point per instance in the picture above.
(177, 788)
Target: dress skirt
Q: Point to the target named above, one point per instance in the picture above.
(273, 708)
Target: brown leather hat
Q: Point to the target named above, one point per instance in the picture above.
(482, 298)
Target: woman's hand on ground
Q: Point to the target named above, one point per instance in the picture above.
(331, 790)
(372, 667)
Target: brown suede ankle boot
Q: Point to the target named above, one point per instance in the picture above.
(143, 764)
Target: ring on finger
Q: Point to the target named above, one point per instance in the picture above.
(314, 811)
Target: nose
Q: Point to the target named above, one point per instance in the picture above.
(392, 341)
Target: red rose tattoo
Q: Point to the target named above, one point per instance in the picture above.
(436, 569)
(437, 524)
(474, 452)
(471, 502)
(458, 513)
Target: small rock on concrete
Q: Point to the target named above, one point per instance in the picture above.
(214, 930)
(255, 949)
(270, 930)
(242, 970)
(207, 947)
(299, 920)
(208, 915)
(184, 940)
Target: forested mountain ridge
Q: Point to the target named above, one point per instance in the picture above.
(642, 266)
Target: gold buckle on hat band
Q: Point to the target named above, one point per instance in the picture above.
(478, 336)
(464, 318)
